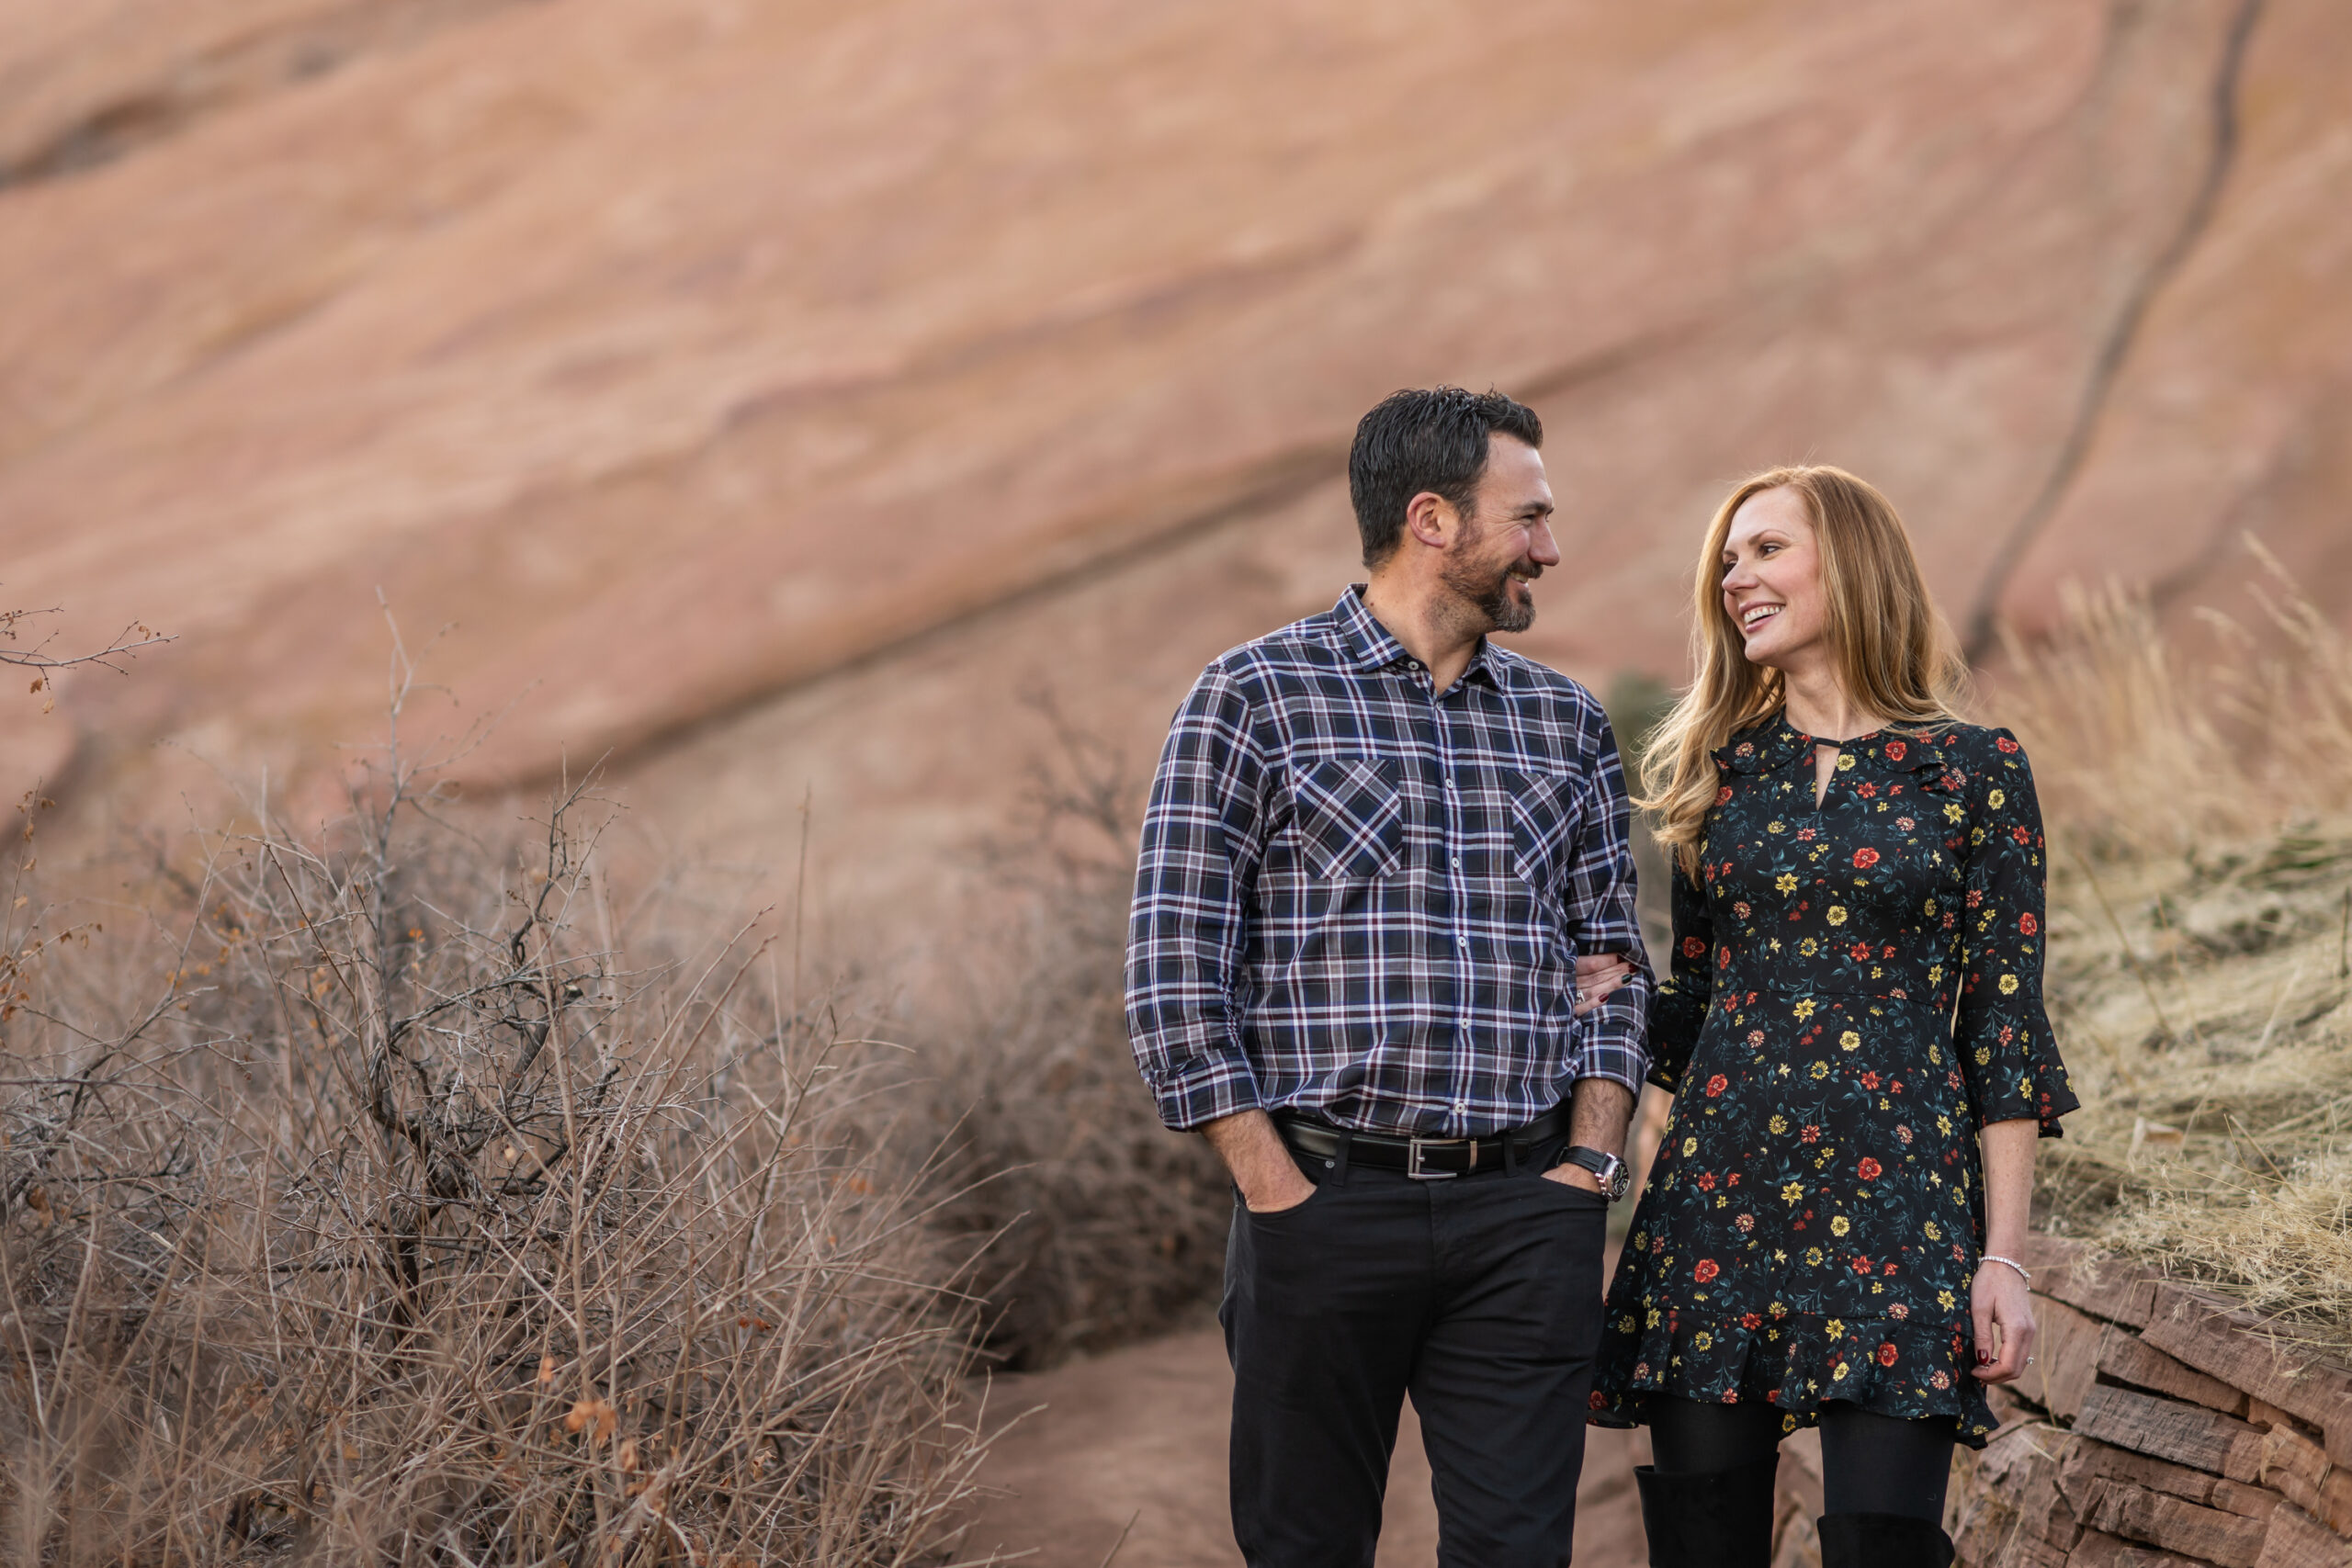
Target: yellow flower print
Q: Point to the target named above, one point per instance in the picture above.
(1849, 1041)
(1836, 914)
(1944, 1300)
(1813, 1258)
(1983, 1056)
(1836, 1326)
(2009, 985)
(1776, 827)
(1943, 1126)
(1786, 882)
(1689, 1148)
(1803, 1008)
(1930, 907)
(1791, 1192)
(1996, 800)
(1655, 1317)
(1779, 1124)
(1845, 761)
(1820, 1071)
(1935, 1231)
(1702, 1340)
(1952, 813)
(1935, 1056)
(1839, 1375)
(1809, 947)
(1839, 1226)
(1936, 975)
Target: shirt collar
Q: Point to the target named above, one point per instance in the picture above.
(1370, 646)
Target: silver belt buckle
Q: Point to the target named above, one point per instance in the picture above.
(1413, 1159)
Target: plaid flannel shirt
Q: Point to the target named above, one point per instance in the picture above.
(1363, 899)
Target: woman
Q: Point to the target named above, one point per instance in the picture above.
(1854, 1033)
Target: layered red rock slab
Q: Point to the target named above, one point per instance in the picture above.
(681, 358)
(2128, 1445)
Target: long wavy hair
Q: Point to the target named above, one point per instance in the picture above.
(1895, 654)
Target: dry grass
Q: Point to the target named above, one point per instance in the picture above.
(2201, 946)
(402, 1220)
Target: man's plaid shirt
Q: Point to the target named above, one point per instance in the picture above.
(1362, 901)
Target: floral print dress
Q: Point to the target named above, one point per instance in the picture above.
(1856, 989)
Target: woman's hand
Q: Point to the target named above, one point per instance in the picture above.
(1597, 973)
(2003, 1309)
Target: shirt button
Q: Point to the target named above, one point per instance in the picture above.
(1462, 941)
(1462, 1107)
(1457, 862)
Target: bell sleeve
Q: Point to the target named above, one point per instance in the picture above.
(2001, 1033)
(1680, 1004)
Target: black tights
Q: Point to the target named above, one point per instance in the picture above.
(1869, 1463)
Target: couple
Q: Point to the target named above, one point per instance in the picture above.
(1384, 956)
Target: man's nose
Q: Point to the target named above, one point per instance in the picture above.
(1541, 547)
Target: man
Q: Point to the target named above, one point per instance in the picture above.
(1378, 848)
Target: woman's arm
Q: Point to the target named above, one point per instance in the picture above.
(1999, 1302)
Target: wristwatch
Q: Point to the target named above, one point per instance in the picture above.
(1615, 1178)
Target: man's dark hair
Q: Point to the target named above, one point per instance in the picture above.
(1420, 439)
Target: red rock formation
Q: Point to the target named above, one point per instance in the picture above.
(767, 392)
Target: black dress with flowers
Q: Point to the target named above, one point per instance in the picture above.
(1856, 989)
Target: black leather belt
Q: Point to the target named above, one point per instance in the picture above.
(1425, 1159)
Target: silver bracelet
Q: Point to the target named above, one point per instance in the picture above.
(1997, 1258)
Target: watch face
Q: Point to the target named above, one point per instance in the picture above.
(1619, 1179)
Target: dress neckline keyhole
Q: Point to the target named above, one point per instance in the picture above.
(1825, 768)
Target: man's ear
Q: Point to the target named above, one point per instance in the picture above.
(1432, 520)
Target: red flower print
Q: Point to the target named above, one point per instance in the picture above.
(1705, 1271)
(1751, 1320)
(1706, 1181)
(2027, 924)
(1864, 858)
(1940, 1380)
(1869, 1081)
(1722, 795)
(2004, 743)
(1806, 836)
(1694, 947)
(1723, 957)
(1860, 951)
(1740, 910)
(1811, 1134)
(1896, 750)
(1888, 1271)
(1596, 1400)
(2020, 835)
(1716, 1084)
(1903, 1135)
(1886, 1354)
(1868, 791)
(1906, 823)
(1867, 1170)
(1861, 1265)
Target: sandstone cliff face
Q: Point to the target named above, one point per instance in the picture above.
(765, 395)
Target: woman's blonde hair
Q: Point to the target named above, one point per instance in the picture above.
(1895, 653)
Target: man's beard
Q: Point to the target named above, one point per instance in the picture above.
(1489, 595)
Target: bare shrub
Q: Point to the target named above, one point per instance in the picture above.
(407, 1224)
(1102, 1225)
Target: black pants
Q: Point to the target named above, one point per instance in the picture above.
(1481, 1295)
(1869, 1463)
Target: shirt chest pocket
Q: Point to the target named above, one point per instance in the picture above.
(1545, 810)
(1350, 819)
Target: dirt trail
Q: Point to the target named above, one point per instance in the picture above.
(1140, 1434)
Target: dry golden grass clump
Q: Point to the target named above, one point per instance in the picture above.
(2201, 840)
(403, 1221)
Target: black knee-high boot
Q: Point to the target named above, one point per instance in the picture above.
(1883, 1540)
(1714, 1519)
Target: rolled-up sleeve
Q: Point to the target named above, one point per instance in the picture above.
(1600, 917)
(1200, 851)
